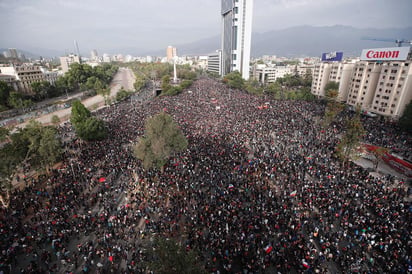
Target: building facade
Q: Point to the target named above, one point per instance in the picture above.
(25, 75)
(214, 62)
(66, 61)
(171, 52)
(236, 36)
(269, 74)
(380, 82)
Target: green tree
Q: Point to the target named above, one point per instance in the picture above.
(87, 127)
(79, 113)
(162, 138)
(92, 129)
(234, 80)
(50, 149)
(4, 93)
(122, 94)
(333, 107)
(15, 100)
(168, 257)
(349, 145)
(405, 121)
(275, 90)
(331, 90)
(42, 90)
(55, 119)
(4, 134)
(166, 86)
(254, 87)
(37, 145)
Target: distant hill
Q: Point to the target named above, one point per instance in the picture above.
(305, 41)
(312, 41)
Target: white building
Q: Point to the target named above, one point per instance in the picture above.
(107, 58)
(269, 74)
(25, 75)
(394, 89)
(236, 36)
(334, 71)
(66, 61)
(214, 62)
(381, 82)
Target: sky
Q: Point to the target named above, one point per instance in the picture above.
(116, 25)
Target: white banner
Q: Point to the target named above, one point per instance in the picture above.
(385, 54)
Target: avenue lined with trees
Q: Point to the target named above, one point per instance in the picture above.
(80, 77)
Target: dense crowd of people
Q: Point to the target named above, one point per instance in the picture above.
(258, 190)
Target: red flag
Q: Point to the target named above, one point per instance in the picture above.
(102, 180)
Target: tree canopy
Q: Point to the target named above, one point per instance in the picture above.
(350, 141)
(234, 80)
(87, 127)
(167, 257)
(405, 121)
(162, 138)
(35, 145)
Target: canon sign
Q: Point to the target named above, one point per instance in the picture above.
(385, 54)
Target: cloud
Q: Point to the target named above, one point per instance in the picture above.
(107, 24)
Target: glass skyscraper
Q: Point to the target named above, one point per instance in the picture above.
(236, 36)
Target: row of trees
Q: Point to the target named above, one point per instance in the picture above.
(149, 72)
(161, 72)
(293, 87)
(35, 146)
(80, 77)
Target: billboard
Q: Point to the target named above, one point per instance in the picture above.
(385, 54)
(332, 56)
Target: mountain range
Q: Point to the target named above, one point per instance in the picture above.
(299, 41)
(303, 41)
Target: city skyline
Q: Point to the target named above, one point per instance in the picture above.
(144, 25)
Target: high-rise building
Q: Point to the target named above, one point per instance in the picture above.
(171, 52)
(236, 36)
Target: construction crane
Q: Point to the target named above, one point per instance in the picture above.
(398, 42)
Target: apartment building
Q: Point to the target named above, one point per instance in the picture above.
(362, 84)
(320, 78)
(380, 82)
(66, 61)
(25, 75)
(393, 89)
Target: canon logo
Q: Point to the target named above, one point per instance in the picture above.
(371, 54)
